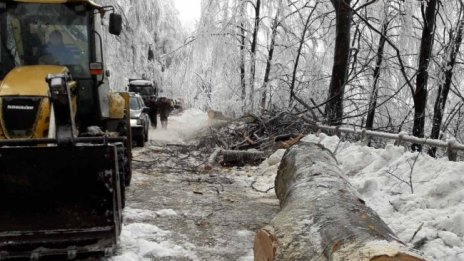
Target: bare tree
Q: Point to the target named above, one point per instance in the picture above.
(242, 53)
(444, 87)
(270, 56)
(334, 106)
(253, 52)
(429, 11)
(375, 87)
(301, 43)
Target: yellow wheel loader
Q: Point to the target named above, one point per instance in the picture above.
(65, 156)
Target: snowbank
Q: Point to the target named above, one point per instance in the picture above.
(144, 242)
(411, 192)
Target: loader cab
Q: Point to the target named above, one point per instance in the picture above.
(46, 34)
(63, 33)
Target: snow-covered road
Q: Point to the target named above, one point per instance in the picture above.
(178, 211)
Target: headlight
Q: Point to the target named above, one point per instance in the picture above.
(136, 122)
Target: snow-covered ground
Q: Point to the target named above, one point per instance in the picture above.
(177, 211)
(179, 216)
(410, 191)
(181, 127)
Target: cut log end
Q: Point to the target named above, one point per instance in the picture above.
(398, 257)
(264, 245)
(377, 251)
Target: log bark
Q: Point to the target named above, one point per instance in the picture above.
(322, 217)
(238, 157)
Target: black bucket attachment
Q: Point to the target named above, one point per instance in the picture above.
(59, 200)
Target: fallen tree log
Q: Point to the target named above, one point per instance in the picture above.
(322, 217)
(238, 157)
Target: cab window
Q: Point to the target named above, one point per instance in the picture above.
(45, 34)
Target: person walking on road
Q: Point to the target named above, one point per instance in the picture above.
(164, 107)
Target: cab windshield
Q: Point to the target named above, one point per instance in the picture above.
(45, 34)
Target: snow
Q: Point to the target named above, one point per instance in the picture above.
(140, 83)
(180, 128)
(154, 231)
(413, 193)
(386, 179)
(142, 241)
(142, 214)
(166, 212)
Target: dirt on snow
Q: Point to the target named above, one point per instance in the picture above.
(179, 210)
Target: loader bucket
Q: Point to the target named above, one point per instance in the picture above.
(58, 200)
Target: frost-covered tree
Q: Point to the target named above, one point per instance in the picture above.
(147, 25)
(389, 56)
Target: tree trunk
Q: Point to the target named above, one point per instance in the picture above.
(444, 88)
(420, 94)
(334, 107)
(254, 44)
(298, 55)
(322, 217)
(270, 56)
(375, 88)
(242, 57)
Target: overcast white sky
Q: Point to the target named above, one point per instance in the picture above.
(190, 11)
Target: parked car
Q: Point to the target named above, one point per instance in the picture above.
(140, 121)
(149, 92)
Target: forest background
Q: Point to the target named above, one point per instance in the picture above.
(388, 65)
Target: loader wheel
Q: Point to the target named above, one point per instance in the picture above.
(141, 140)
(125, 163)
(123, 154)
(122, 174)
(146, 134)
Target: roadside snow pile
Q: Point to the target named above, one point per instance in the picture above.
(264, 181)
(144, 242)
(419, 197)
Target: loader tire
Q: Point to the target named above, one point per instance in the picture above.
(124, 155)
(141, 140)
(123, 169)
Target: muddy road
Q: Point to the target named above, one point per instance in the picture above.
(178, 210)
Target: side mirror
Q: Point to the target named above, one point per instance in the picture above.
(146, 110)
(115, 24)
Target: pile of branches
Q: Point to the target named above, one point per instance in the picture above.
(267, 132)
